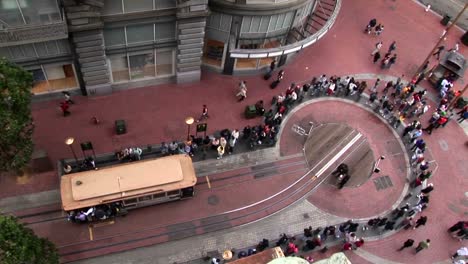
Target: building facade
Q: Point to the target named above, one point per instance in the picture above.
(97, 46)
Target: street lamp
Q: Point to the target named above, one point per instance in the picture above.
(376, 166)
(189, 121)
(69, 141)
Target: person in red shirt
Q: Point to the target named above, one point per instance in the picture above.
(347, 246)
(65, 106)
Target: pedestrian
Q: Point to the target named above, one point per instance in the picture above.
(370, 26)
(458, 226)
(65, 106)
(461, 252)
(242, 94)
(204, 114)
(438, 51)
(379, 29)
(376, 84)
(67, 96)
(420, 222)
(220, 150)
(392, 47)
(455, 48)
(423, 245)
(376, 57)
(463, 116)
(280, 75)
(428, 189)
(272, 66)
(378, 46)
(408, 243)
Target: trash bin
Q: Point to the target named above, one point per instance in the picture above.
(445, 20)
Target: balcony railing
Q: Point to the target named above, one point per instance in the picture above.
(304, 41)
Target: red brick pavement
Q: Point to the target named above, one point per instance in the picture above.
(152, 117)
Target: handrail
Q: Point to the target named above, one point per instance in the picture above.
(274, 52)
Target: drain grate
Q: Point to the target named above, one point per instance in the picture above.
(383, 182)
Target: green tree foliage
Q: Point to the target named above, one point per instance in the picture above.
(19, 245)
(16, 126)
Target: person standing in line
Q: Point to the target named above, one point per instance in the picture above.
(461, 252)
(408, 243)
(438, 51)
(371, 25)
(220, 150)
(242, 94)
(423, 245)
(428, 189)
(379, 29)
(455, 48)
(420, 222)
(376, 57)
(376, 84)
(378, 46)
(392, 47)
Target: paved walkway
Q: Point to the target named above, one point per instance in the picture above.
(344, 50)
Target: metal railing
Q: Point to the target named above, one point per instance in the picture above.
(274, 52)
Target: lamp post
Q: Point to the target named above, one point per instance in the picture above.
(376, 166)
(69, 141)
(189, 121)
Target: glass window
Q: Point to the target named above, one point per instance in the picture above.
(164, 62)
(165, 31)
(279, 23)
(112, 7)
(137, 5)
(39, 11)
(246, 63)
(162, 4)
(272, 25)
(264, 24)
(10, 13)
(246, 24)
(16, 52)
(288, 19)
(114, 36)
(40, 84)
(64, 46)
(52, 48)
(60, 77)
(119, 68)
(255, 24)
(141, 65)
(213, 52)
(225, 22)
(4, 52)
(140, 33)
(41, 49)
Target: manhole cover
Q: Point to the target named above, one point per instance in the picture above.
(213, 200)
(383, 182)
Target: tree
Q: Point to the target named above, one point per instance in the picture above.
(18, 244)
(16, 126)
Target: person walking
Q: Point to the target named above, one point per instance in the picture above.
(65, 106)
(67, 96)
(420, 222)
(392, 61)
(378, 46)
(423, 245)
(204, 114)
(242, 94)
(408, 243)
(438, 51)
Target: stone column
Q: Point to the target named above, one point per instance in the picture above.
(191, 22)
(86, 34)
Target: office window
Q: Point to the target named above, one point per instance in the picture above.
(165, 31)
(140, 33)
(112, 7)
(51, 47)
(114, 36)
(137, 5)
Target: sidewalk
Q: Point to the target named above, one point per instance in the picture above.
(152, 118)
